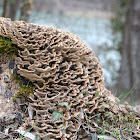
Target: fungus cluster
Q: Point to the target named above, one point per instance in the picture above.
(64, 71)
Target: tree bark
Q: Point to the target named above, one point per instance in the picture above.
(26, 7)
(10, 9)
(130, 65)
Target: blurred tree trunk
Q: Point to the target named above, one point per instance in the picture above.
(130, 65)
(26, 7)
(10, 8)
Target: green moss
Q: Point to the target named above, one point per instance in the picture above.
(113, 124)
(10, 49)
(24, 90)
(7, 47)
